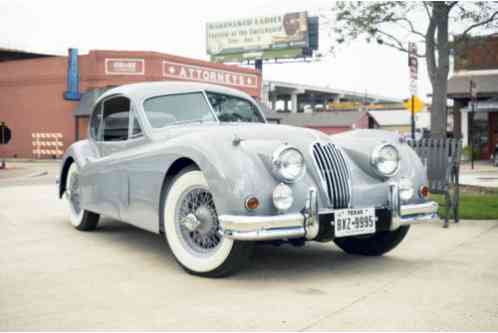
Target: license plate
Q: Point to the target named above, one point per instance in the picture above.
(353, 222)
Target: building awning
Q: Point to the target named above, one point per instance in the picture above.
(490, 105)
(391, 117)
(486, 80)
(87, 100)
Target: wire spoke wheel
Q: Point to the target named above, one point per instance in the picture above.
(192, 228)
(80, 218)
(198, 221)
(74, 195)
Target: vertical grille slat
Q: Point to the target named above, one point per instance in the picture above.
(338, 191)
(323, 166)
(343, 173)
(335, 174)
(333, 193)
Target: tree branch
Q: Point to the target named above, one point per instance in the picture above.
(395, 43)
(480, 24)
(412, 28)
(427, 10)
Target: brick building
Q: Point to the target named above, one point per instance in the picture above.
(476, 60)
(37, 95)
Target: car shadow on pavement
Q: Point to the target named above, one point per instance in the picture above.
(267, 261)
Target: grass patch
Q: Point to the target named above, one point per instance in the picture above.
(473, 206)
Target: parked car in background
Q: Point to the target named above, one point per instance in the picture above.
(200, 164)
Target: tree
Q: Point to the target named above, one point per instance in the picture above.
(428, 23)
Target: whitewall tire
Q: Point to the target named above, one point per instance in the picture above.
(192, 230)
(80, 218)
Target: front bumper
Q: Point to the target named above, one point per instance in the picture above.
(306, 223)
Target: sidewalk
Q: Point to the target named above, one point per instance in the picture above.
(484, 174)
(20, 168)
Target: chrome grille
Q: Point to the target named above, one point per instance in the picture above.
(334, 173)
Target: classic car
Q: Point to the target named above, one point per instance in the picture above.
(199, 164)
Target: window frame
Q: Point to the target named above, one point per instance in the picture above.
(132, 115)
(202, 92)
(260, 113)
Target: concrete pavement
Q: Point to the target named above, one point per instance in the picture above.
(53, 277)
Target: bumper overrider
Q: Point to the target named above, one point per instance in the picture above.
(306, 223)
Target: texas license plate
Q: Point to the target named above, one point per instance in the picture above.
(353, 222)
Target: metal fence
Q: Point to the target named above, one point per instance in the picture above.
(442, 160)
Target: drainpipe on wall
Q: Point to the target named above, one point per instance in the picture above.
(73, 77)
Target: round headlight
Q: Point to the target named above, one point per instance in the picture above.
(288, 164)
(282, 197)
(385, 159)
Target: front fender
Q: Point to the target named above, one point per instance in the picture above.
(236, 171)
(78, 153)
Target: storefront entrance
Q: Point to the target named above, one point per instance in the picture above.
(485, 133)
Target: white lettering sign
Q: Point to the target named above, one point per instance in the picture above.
(176, 70)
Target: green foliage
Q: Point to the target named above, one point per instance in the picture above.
(473, 206)
(467, 153)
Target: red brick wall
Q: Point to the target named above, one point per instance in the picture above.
(477, 54)
(31, 101)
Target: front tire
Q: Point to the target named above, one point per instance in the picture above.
(375, 245)
(192, 229)
(81, 219)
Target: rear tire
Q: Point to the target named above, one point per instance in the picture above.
(375, 245)
(81, 219)
(192, 230)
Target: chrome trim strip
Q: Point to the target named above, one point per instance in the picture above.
(306, 224)
(423, 208)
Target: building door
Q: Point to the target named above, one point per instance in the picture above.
(481, 134)
(493, 132)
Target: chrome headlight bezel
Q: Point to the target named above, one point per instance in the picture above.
(376, 158)
(278, 165)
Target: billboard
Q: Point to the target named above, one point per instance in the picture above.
(256, 35)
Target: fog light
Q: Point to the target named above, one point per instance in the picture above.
(252, 203)
(406, 190)
(424, 191)
(282, 197)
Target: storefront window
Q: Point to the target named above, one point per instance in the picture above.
(480, 134)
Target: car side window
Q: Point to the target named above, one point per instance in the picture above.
(95, 122)
(115, 119)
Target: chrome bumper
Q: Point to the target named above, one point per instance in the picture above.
(305, 224)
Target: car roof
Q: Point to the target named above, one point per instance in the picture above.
(155, 88)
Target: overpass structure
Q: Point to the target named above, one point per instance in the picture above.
(302, 98)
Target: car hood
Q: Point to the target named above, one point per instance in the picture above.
(231, 132)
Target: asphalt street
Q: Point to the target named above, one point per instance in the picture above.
(53, 277)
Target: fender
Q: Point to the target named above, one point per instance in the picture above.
(79, 153)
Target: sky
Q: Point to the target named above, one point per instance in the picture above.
(178, 27)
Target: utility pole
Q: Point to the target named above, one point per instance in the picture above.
(473, 101)
(258, 65)
(3, 140)
(413, 65)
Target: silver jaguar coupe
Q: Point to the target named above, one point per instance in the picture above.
(199, 164)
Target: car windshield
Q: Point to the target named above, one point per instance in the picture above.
(171, 109)
(191, 107)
